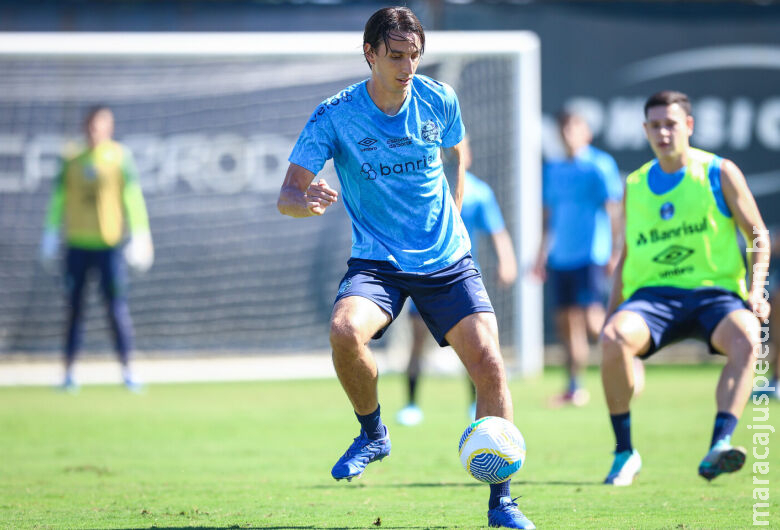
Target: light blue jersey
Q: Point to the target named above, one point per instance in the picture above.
(481, 213)
(391, 174)
(575, 192)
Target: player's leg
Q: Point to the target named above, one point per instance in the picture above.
(76, 267)
(475, 340)
(736, 336)
(355, 320)
(572, 329)
(626, 335)
(411, 414)
(113, 285)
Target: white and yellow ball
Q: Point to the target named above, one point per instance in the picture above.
(492, 449)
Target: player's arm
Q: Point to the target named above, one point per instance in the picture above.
(747, 217)
(301, 197)
(540, 267)
(457, 152)
(616, 294)
(615, 212)
(505, 252)
(50, 240)
(139, 252)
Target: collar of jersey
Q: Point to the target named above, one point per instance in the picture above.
(404, 106)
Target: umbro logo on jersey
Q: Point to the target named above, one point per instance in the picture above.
(368, 144)
(673, 255)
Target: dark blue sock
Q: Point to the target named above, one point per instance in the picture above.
(725, 423)
(372, 424)
(496, 492)
(621, 424)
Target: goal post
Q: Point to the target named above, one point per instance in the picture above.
(211, 119)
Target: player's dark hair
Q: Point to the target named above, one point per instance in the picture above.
(94, 110)
(389, 23)
(665, 98)
(564, 116)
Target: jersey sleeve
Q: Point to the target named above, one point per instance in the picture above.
(316, 142)
(546, 189)
(491, 219)
(454, 130)
(609, 171)
(56, 202)
(132, 197)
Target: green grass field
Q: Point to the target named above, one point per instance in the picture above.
(258, 455)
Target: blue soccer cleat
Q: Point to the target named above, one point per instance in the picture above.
(722, 458)
(362, 452)
(625, 468)
(507, 515)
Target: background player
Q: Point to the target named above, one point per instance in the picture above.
(482, 216)
(408, 239)
(96, 197)
(682, 275)
(580, 242)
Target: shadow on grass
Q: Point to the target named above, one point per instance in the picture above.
(241, 527)
(517, 483)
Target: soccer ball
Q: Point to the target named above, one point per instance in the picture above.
(492, 450)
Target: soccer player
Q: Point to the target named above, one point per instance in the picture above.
(96, 198)
(481, 215)
(385, 135)
(682, 275)
(581, 196)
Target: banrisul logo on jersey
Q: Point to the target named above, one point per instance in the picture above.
(405, 167)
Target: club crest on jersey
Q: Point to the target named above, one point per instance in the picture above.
(430, 132)
(667, 211)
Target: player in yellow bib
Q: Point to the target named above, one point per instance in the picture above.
(97, 199)
(682, 275)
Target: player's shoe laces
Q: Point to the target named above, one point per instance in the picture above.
(410, 415)
(362, 452)
(507, 515)
(625, 468)
(722, 458)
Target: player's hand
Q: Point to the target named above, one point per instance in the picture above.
(139, 252)
(759, 305)
(49, 251)
(319, 196)
(539, 270)
(507, 274)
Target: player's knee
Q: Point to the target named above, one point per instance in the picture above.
(616, 342)
(486, 367)
(345, 335)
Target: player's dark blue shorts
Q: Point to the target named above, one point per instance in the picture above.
(673, 314)
(443, 298)
(578, 287)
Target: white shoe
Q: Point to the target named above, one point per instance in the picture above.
(625, 468)
(410, 415)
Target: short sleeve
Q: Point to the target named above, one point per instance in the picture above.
(316, 142)
(490, 212)
(609, 172)
(454, 131)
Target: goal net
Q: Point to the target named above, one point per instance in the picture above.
(211, 119)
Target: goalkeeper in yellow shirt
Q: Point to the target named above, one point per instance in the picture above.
(96, 200)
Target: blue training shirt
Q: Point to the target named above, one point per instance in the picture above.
(481, 213)
(391, 173)
(575, 192)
